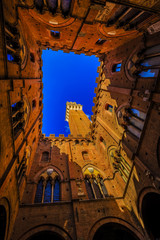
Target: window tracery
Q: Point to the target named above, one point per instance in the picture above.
(132, 120)
(94, 184)
(119, 164)
(48, 187)
(20, 114)
(22, 167)
(145, 64)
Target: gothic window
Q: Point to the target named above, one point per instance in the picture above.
(39, 192)
(128, 18)
(116, 67)
(55, 34)
(146, 63)
(120, 11)
(56, 193)
(18, 120)
(65, 5)
(45, 157)
(39, 5)
(52, 5)
(136, 122)
(89, 188)
(119, 164)
(96, 188)
(94, 184)
(21, 170)
(48, 188)
(132, 119)
(48, 191)
(100, 41)
(108, 107)
(12, 44)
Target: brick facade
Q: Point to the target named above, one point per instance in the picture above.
(107, 169)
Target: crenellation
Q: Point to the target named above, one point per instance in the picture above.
(102, 180)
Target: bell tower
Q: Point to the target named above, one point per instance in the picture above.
(79, 123)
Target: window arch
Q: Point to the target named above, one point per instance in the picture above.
(145, 64)
(18, 120)
(48, 187)
(45, 157)
(119, 164)
(132, 120)
(94, 184)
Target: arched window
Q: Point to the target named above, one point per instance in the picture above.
(48, 188)
(39, 192)
(52, 5)
(12, 44)
(45, 157)
(56, 193)
(39, 5)
(132, 119)
(21, 170)
(119, 164)
(116, 67)
(18, 120)
(146, 63)
(94, 184)
(48, 191)
(65, 5)
(89, 187)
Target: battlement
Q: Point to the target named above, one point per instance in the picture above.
(72, 106)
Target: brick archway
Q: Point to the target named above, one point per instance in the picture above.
(148, 207)
(46, 228)
(4, 218)
(118, 221)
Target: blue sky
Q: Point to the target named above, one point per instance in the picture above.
(66, 77)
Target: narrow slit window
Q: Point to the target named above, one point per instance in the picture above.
(100, 41)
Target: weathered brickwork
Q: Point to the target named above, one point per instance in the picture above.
(103, 180)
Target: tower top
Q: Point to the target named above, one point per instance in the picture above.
(72, 106)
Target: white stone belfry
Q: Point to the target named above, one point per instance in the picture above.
(72, 106)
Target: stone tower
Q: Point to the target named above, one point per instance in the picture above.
(79, 123)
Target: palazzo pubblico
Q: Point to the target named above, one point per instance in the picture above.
(102, 182)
